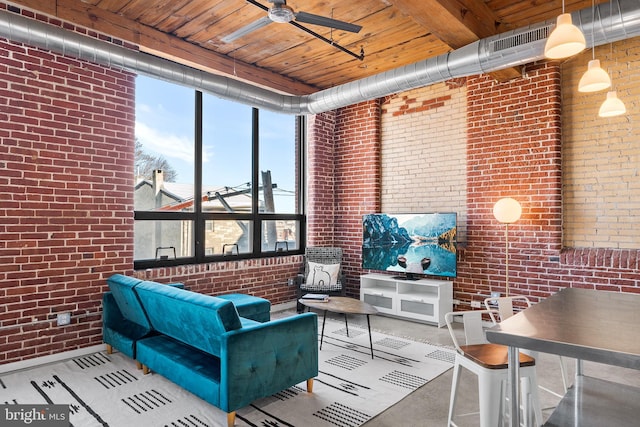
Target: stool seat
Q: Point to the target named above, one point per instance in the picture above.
(493, 356)
(249, 306)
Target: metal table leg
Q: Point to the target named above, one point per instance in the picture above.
(324, 318)
(346, 324)
(514, 378)
(370, 341)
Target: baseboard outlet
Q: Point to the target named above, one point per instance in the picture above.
(50, 358)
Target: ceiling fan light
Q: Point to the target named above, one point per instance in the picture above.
(594, 79)
(612, 106)
(565, 40)
(281, 14)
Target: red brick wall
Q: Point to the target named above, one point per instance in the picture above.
(66, 156)
(66, 185)
(357, 189)
(66, 181)
(265, 277)
(513, 150)
(343, 181)
(321, 179)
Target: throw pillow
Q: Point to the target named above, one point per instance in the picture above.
(322, 274)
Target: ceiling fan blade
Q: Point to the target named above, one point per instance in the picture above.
(246, 29)
(309, 18)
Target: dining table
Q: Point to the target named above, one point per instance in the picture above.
(585, 324)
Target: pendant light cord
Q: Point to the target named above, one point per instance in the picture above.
(593, 28)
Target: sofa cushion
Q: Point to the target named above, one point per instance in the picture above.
(196, 319)
(117, 331)
(127, 300)
(186, 366)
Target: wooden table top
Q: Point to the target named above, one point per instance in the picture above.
(343, 305)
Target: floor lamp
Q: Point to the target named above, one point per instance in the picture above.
(507, 211)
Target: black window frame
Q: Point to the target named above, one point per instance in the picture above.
(255, 218)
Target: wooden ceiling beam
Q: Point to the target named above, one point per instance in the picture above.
(47, 7)
(163, 45)
(457, 23)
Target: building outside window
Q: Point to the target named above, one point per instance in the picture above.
(214, 178)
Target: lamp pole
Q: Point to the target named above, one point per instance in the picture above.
(506, 264)
(507, 211)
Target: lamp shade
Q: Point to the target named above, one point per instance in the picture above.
(565, 40)
(594, 79)
(612, 106)
(507, 210)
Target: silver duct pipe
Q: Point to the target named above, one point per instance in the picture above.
(607, 23)
(604, 24)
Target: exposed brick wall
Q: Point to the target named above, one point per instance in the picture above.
(265, 277)
(66, 185)
(513, 150)
(321, 179)
(357, 188)
(66, 156)
(424, 143)
(601, 187)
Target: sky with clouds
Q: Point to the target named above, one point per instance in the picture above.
(165, 127)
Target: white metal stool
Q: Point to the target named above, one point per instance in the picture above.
(489, 363)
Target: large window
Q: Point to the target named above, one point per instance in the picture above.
(215, 179)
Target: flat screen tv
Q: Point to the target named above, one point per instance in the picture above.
(411, 244)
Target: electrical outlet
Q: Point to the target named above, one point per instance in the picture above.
(495, 294)
(291, 282)
(475, 304)
(64, 318)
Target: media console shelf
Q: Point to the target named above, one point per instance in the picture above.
(426, 300)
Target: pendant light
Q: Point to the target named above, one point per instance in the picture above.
(595, 78)
(612, 106)
(565, 40)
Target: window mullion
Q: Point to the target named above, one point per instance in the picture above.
(255, 187)
(198, 226)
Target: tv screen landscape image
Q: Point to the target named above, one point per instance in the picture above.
(411, 244)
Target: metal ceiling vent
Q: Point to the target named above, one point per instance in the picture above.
(617, 20)
(516, 40)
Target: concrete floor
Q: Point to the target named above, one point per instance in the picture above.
(428, 406)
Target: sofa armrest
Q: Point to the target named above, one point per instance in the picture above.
(262, 359)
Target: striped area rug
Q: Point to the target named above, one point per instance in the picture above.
(108, 390)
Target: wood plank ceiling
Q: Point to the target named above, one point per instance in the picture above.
(287, 59)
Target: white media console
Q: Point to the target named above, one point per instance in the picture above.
(426, 300)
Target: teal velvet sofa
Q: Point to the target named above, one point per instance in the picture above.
(203, 344)
(122, 330)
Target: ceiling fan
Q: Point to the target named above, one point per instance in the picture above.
(280, 12)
